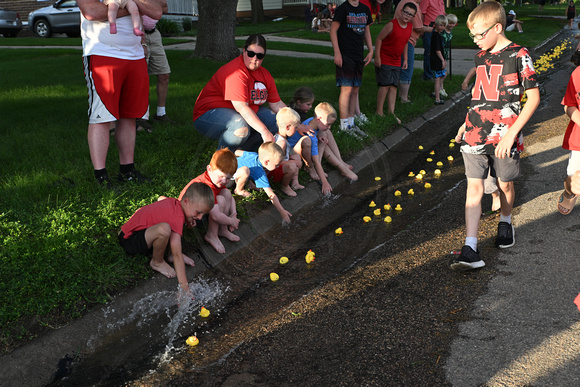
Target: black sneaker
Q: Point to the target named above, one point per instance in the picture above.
(104, 181)
(143, 125)
(133, 175)
(505, 235)
(164, 119)
(440, 102)
(468, 260)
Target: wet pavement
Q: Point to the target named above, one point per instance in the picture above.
(378, 306)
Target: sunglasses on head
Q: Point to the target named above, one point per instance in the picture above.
(259, 55)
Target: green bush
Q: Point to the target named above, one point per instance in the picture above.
(186, 24)
(168, 27)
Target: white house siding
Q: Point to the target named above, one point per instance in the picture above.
(246, 6)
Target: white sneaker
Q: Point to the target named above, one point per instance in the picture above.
(361, 119)
(355, 132)
(443, 93)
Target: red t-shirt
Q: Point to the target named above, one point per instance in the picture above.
(205, 179)
(394, 44)
(165, 211)
(572, 98)
(235, 82)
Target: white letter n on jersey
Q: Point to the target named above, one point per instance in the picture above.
(489, 85)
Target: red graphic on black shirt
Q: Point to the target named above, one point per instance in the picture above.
(487, 84)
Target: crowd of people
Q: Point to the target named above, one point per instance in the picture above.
(261, 139)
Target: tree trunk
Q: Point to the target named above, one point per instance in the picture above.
(257, 11)
(216, 29)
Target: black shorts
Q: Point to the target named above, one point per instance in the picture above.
(350, 74)
(135, 244)
(387, 75)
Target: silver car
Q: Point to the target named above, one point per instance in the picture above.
(63, 16)
(10, 23)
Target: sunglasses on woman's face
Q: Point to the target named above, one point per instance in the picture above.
(258, 55)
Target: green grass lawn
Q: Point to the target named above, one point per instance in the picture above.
(58, 229)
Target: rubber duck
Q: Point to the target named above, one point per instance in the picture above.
(387, 207)
(419, 177)
(372, 204)
(452, 140)
(450, 158)
(429, 160)
(427, 185)
(420, 147)
(411, 192)
(204, 312)
(437, 172)
(451, 145)
(439, 164)
(377, 212)
(274, 277)
(397, 193)
(310, 256)
(338, 231)
(411, 174)
(192, 341)
(398, 208)
(388, 219)
(283, 260)
(377, 178)
(367, 219)
(432, 152)
(422, 172)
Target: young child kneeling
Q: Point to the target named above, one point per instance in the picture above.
(286, 173)
(253, 166)
(155, 226)
(223, 216)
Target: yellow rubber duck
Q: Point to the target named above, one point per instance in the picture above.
(192, 341)
(397, 193)
(437, 172)
(274, 277)
(283, 260)
(422, 172)
(427, 185)
(451, 145)
(420, 147)
(450, 158)
(452, 140)
(367, 219)
(439, 164)
(204, 312)
(398, 208)
(411, 192)
(377, 178)
(388, 219)
(432, 152)
(310, 256)
(377, 212)
(387, 207)
(419, 177)
(429, 160)
(372, 204)
(411, 174)
(338, 231)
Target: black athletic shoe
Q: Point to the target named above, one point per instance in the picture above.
(133, 175)
(164, 119)
(104, 181)
(468, 260)
(505, 235)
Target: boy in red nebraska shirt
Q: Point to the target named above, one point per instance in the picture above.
(391, 43)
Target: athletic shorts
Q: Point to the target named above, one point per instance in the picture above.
(157, 63)
(480, 166)
(350, 74)
(135, 244)
(387, 75)
(277, 174)
(439, 74)
(573, 163)
(118, 88)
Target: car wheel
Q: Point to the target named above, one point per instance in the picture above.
(42, 28)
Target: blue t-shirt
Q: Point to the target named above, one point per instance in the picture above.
(293, 140)
(257, 172)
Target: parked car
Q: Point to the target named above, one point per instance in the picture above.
(10, 23)
(62, 17)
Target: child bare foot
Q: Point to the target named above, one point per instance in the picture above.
(297, 186)
(242, 192)
(229, 235)
(163, 268)
(186, 259)
(496, 203)
(288, 191)
(215, 242)
(113, 28)
(348, 173)
(137, 32)
(397, 119)
(312, 173)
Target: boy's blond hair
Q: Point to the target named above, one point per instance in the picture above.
(270, 149)
(325, 109)
(441, 20)
(451, 18)
(225, 161)
(487, 13)
(287, 116)
(200, 193)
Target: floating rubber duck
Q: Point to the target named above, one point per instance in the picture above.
(387, 207)
(429, 160)
(398, 208)
(204, 312)
(427, 185)
(432, 152)
(310, 256)
(372, 204)
(411, 174)
(192, 341)
(367, 219)
(452, 140)
(338, 231)
(450, 158)
(274, 277)
(397, 193)
(377, 212)
(419, 177)
(420, 147)
(437, 172)
(451, 145)
(283, 260)
(422, 172)
(377, 178)
(388, 219)
(411, 192)
(439, 164)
